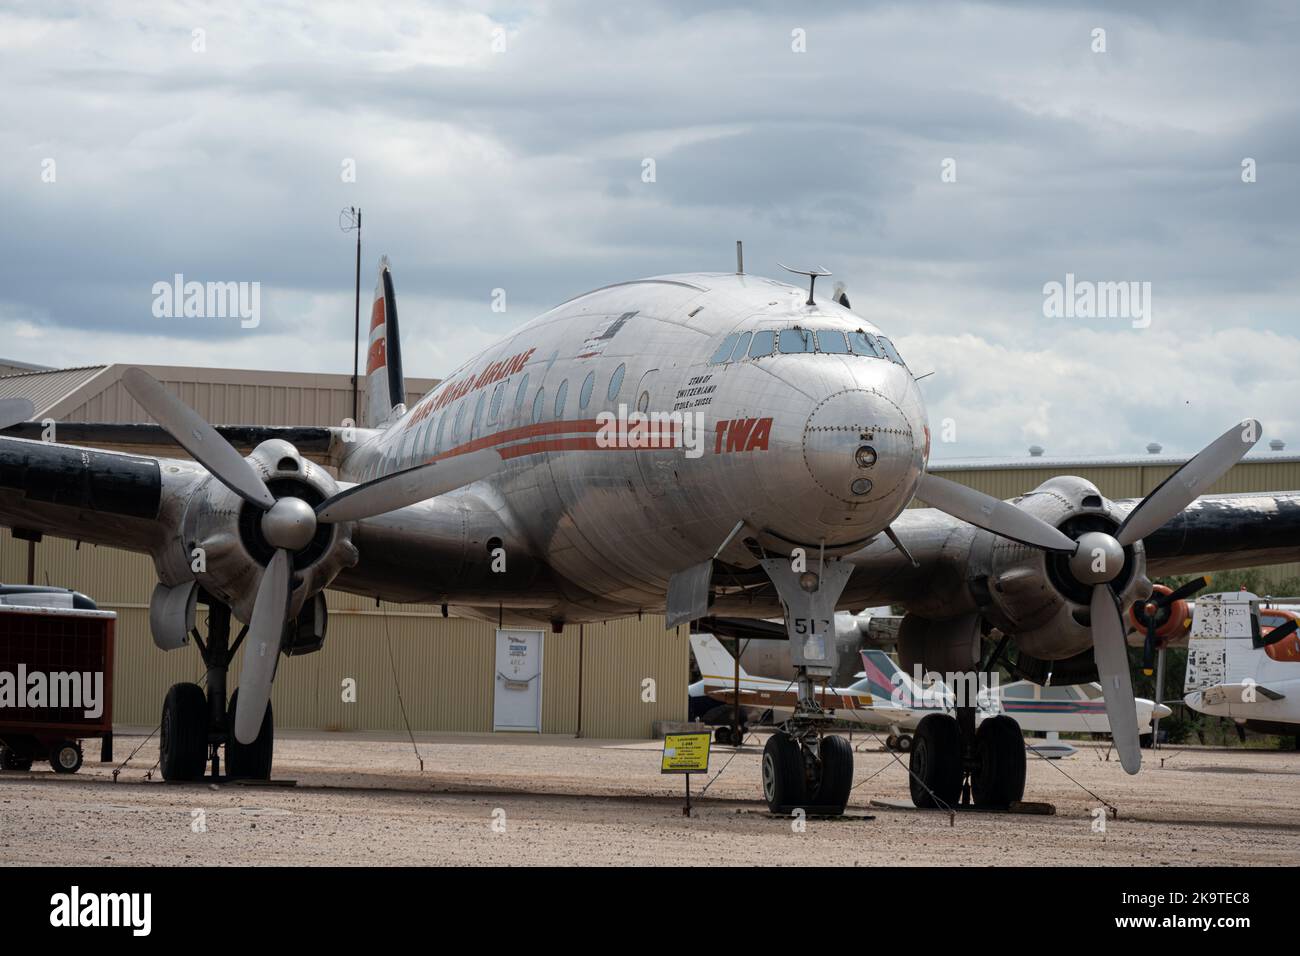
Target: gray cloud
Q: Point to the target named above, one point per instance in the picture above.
(521, 170)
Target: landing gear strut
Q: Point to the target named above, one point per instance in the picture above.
(196, 725)
(803, 767)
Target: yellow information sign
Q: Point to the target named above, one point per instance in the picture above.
(686, 753)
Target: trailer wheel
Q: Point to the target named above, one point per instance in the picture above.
(65, 757)
(11, 760)
(183, 735)
(250, 761)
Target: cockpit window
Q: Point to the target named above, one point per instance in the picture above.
(743, 346)
(794, 341)
(832, 342)
(864, 343)
(763, 344)
(725, 349)
(892, 352)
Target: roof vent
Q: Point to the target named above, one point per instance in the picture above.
(1277, 444)
(1036, 451)
(1153, 448)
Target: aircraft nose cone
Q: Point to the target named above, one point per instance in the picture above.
(860, 447)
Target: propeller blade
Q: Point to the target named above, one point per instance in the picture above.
(262, 647)
(1184, 591)
(197, 437)
(15, 410)
(1189, 482)
(1111, 653)
(408, 486)
(985, 511)
(1280, 633)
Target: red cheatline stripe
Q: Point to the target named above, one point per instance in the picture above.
(549, 428)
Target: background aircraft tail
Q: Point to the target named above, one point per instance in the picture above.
(385, 388)
(712, 658)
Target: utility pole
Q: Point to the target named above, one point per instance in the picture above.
(350, 219)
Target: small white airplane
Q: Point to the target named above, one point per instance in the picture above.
(1243, 662)
(872, 700)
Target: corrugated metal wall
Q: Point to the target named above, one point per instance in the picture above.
(224, 396)
(445, 666)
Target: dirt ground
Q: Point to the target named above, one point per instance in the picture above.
(363, 799)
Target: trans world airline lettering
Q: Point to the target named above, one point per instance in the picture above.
(493, 373)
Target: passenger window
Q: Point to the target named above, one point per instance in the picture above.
(458, 425)
(794, 341)
(519, 395)
(1021, 692)
(588, 383)
(725, 349)
(498, 394)
(437, 438)
(763, 344)
(478, 414)
(537, 404)
(560, 395)
(616, 382)
(743, 346)
(832, 343)
(1065, 692)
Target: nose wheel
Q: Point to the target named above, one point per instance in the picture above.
(814, 776)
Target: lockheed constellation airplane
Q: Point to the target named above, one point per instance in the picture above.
(703, 445)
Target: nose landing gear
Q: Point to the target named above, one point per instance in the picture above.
(803, 767)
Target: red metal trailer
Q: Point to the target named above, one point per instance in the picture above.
(56, 683)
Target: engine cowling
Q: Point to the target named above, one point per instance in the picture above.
(220, 544)
(1034, 595)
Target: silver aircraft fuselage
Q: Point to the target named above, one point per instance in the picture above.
(818, 449)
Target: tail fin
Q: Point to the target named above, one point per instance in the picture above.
(712, 658)
(385, 388)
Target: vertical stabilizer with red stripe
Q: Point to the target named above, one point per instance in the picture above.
(385, 389)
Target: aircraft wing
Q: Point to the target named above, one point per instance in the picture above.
(1219, 532)
(86, 494)
(315, 442)
(1215, 533)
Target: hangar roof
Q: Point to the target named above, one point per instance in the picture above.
(223, 396)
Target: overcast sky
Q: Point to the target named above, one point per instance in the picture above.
(479, 168)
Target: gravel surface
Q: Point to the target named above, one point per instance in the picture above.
(362, 799)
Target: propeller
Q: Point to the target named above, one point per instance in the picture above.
(15, 410)
(289, 523)
(1097, 558)
(1154, 612)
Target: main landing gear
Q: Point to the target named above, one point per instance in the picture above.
(195, 726)
(952, 762)
(803, 766)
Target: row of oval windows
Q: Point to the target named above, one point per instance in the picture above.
(428, 441)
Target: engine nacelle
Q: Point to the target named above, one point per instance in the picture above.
(1032, 594)
(221, 546)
